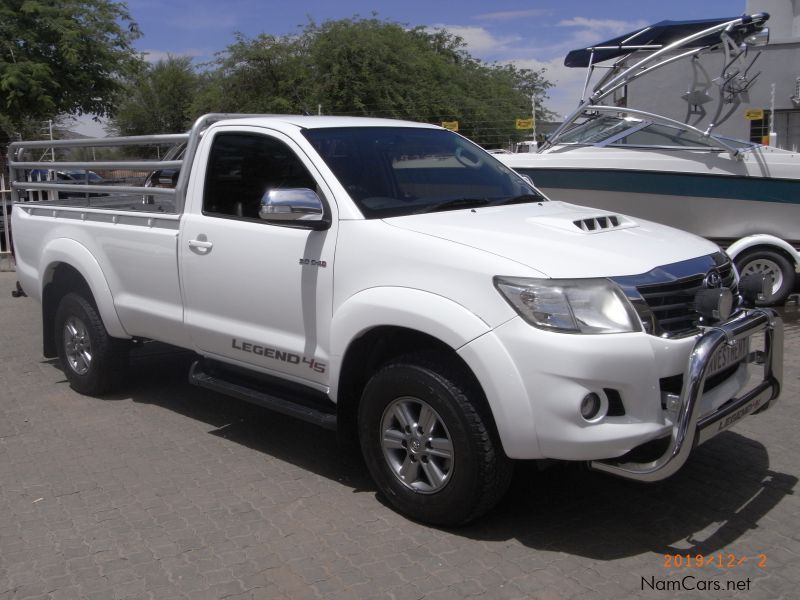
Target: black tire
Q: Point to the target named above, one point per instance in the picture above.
(478, 474)
(773, 263)
(93, 361)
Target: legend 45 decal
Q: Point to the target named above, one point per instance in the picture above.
(280, 355)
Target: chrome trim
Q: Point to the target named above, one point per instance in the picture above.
(689, 429)
(665, 275)
(291, 204)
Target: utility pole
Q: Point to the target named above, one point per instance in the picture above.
(533, 118)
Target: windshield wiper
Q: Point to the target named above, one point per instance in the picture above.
(453, 204)
(521, 199)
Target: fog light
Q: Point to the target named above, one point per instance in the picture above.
(590, 406)
(714, 304)
(754, 288)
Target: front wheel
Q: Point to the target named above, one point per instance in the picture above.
(770, 263)
(92, 360)
(428, 445)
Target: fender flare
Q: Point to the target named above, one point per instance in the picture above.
(77, 256)
(410, 308)
(762, 239)
(454, 325)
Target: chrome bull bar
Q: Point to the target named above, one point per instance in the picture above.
(689, 429)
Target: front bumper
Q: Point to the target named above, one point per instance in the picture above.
(689, 428)
(534, 381)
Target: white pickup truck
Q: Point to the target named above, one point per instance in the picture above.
(395, 282)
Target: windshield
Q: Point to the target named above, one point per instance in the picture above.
(615, 131)
(596, 130)
(666, 136)
(395, 171)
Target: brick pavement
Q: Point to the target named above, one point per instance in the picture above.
(169, 491)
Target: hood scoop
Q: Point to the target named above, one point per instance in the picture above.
(583, 221)
(602, 223)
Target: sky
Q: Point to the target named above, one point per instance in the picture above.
(532, 34)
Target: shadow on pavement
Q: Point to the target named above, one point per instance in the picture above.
(726, 488)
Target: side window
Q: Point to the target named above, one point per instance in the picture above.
(243, 167)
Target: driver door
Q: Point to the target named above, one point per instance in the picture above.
(256, 293)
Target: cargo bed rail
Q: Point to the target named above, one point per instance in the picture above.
(29, 176)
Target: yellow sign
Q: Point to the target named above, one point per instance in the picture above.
(451, 125)
(754, 114)
(524, 123)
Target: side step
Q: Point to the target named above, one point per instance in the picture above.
(288, 404)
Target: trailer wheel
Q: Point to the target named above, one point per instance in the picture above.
(93, 361)
(428, 448)
(769, 262)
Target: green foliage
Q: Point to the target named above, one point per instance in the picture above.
(62, 56)
(369, 67)
(158, 99)
(75, 56)
(268, 74)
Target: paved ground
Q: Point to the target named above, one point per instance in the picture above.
(168, 491)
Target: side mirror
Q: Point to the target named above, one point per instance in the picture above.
(299, 205)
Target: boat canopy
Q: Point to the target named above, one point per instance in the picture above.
(652, 37)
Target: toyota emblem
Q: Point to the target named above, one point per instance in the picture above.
(713, 279)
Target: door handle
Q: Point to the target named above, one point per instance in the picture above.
(200, 244)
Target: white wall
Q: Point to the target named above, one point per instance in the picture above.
(784, 22)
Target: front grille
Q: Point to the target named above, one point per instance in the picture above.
(673, 303)
(664, 297)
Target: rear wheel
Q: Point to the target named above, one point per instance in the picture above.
(92, 360)
(773, 264)
(428, 444)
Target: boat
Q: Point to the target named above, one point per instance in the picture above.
(742, 195)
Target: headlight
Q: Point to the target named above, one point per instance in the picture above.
(570, 305)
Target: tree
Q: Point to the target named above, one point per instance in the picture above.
(62, 56)
(370, 67)
(268, 74)
(158, 99)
